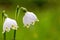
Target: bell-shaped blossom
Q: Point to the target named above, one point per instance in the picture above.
(9, 24)
(29, 19)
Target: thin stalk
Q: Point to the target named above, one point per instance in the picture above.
(23, 9)
(17, 15)
(5, 36)
(14, 34)
(2, 22)
(17, 11)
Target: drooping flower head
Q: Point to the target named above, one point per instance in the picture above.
(8, 24)
(29, 19)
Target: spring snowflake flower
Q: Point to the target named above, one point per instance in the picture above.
(29, 19)
(9, 24)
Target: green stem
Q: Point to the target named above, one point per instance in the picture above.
(17, 11)
(23, 9)
(5, 36)
(3, 16)
(14, 34)
(16, 15)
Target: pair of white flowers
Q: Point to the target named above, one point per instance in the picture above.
(29, 19)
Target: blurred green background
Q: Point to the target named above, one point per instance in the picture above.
(47, 11)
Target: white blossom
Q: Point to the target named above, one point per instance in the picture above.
(9, 24)
(29, 19)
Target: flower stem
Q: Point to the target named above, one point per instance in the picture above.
(14, 34)
(23, 9)
(16, 15)
(3, 17)
(17, 12)
(5, 36)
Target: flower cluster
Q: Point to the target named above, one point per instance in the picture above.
(28, 19)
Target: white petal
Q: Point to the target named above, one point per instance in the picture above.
(29, 18)
(8, 24)
(14, 23)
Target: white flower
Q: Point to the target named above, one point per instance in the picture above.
(29, 19)
(8, 24)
